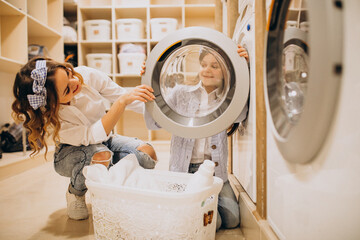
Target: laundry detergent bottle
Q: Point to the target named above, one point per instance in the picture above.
(203, 178)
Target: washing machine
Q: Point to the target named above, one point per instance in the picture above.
(172, 70)
(244, 140)
(312, 93)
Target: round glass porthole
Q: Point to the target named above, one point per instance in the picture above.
(197, 72)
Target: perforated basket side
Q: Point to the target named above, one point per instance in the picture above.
(129, 213)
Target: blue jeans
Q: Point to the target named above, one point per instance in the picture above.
(69, 160)
(228, 215)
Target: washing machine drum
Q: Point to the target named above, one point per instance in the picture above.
(200, 83)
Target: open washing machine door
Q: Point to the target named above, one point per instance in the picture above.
(200, 83)
(303, 70)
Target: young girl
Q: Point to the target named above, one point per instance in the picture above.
(188, 154)
(54, 98)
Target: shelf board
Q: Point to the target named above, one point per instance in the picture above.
(38, 29)
(95, 8)
(70, 43)
(165, 5)
(130, 7)
(97, 44)
(131, 41)
(8, 9)
(9, 65)
(198, 2)
(200, 5)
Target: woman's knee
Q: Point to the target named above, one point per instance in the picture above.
(103, 158)
(148, 149)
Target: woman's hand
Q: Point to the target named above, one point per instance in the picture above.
(142, 93)
(242, 52)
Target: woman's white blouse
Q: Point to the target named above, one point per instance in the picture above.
(81, 120)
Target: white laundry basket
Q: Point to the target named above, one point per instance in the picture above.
(98, 29)
(130, 63)
(160, 27)
(100, 61)
(129, 29)
(134, 213)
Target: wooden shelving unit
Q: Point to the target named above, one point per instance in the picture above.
(25, 22)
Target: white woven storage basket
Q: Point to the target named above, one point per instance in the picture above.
(100, 61)
(130, 63)
(134, 213)
(129, 29)
(160, 27)
(98, 30)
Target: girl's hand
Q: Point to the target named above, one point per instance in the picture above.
(242, 52)
(142, 69)
(142, 93)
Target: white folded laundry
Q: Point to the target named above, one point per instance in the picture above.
(140, 178)
(126, 172)
(123, 169)
(97, 173)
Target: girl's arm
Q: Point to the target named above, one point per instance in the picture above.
(142, 93)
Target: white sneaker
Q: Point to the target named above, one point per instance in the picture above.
(76, 206)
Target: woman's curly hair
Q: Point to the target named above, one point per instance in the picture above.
(43, 121)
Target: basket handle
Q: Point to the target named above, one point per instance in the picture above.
(208, 217)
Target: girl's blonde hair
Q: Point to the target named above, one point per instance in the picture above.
(41, 121)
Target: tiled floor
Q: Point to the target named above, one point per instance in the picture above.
(33, 206)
